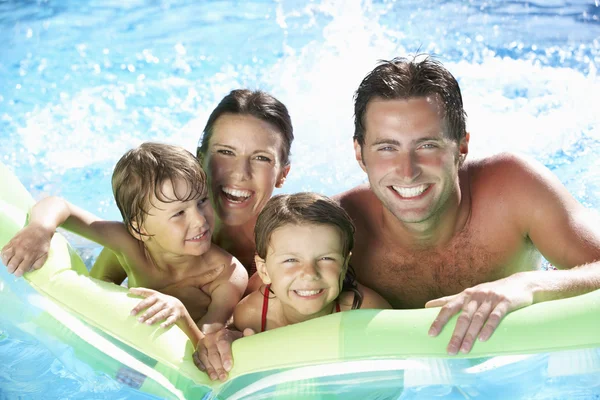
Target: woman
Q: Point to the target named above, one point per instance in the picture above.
(245, 152)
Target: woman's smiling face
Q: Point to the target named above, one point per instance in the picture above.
(243, 162)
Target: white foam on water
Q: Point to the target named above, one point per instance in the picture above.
(512, 105)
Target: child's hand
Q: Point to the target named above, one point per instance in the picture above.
(159, 307)
(27, 250)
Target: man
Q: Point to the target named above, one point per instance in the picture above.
(436, 230)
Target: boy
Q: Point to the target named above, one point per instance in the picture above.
(164, 242)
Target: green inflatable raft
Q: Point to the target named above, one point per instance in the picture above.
(357, 354)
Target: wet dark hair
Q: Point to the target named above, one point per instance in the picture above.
(302, 209)
(258, 104)
(403, 78)
(141, 172)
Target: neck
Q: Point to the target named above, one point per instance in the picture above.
(237, 240)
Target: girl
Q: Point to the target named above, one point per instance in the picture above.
(303, 244)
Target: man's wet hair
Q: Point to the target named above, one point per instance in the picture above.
(404, 78)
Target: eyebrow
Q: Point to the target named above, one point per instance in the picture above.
(397, 143)
(254, 152)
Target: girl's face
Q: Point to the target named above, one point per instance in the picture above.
(305, 266)
(243, 164)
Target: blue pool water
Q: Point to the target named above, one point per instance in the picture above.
(81, 81)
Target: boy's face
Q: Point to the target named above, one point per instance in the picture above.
(179, 227)
(305, 265)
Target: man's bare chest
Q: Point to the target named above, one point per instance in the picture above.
(408, 279)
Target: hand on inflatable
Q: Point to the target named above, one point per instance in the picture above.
(27, 250)
(159, 307)
(213, 354)
(482, 307)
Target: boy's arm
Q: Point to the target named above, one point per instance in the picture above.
(108, 268)
(29, 247)
(160, 306)
(225, 292)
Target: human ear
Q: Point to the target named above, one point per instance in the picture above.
(139, 234)
(282, 176)
(358, 155)
(261, 269)
(463, 148)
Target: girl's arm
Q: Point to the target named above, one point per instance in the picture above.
(372, 299)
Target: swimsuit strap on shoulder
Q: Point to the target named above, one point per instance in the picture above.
(265, 308)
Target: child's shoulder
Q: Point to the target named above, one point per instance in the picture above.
(248, 312)
(216, 255)
(370, 299)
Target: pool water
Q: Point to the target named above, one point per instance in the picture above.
(82, 81)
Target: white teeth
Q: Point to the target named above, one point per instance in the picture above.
(307, 292)
(237, 192)
(198, 236)
(411, 191)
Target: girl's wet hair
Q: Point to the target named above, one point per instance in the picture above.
(139, 176)
(303, 209)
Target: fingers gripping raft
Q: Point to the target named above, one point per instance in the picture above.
(297, 354)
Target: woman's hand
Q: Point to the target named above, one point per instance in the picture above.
(213, 353)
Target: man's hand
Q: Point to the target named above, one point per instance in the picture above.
(213, 354)
(27, 250)
(483, 307)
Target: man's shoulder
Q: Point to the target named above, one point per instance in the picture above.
(357, 198)
(503, 168)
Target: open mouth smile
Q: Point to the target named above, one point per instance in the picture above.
(413, 192)
(308, 293)
(197, 238)
(236, 196)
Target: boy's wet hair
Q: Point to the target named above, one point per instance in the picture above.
(257, 104)
(403, 78)
(302, 209)
(139, 176)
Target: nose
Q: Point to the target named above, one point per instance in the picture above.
(310, 271)
(242, 169)
(197, 218)
(408, 166)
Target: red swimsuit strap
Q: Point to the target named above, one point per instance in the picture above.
(337, 307)
(265, 308)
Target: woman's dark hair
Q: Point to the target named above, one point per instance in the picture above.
(258, 104)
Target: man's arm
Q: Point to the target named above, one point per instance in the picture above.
(559, 227)
(29, 247)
